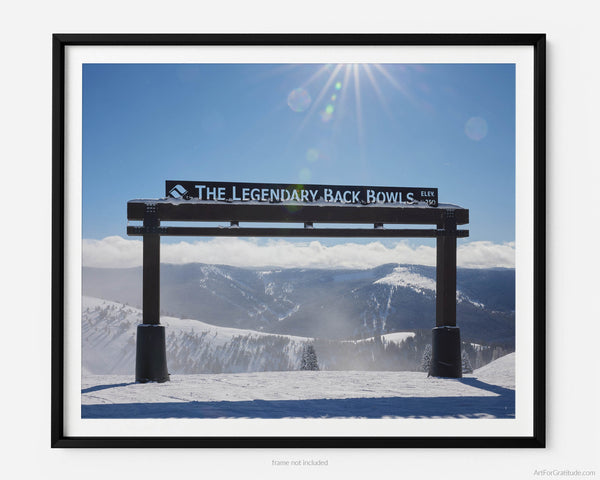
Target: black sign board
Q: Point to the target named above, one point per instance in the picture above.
(278, 193)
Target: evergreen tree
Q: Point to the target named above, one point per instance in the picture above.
(426, 362)
(309, 358)
(466, 363)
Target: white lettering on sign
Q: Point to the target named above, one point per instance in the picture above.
(392, 197)
(271, 193)
(211, 193)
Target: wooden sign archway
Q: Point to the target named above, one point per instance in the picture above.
(381, 218)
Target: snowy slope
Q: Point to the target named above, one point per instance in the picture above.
(108, 344)
(397, 337)
(484, 394)
(499, 372)
(108, 336)
(405, 277)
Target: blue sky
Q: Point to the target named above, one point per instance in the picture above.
(446, 126)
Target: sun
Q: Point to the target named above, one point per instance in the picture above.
(340, 88)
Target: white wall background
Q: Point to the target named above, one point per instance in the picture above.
(25, 165)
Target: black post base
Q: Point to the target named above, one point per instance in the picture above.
(446, 360)
(151, 354)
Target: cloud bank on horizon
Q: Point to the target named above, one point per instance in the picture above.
(115, 251)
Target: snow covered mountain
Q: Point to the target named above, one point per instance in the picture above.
(108, 346)
(328, 304)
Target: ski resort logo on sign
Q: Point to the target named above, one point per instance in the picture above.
(278, 193)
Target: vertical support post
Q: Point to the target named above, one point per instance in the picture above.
(151, 280)
(445, 301)
(151, 351)
(445, 337)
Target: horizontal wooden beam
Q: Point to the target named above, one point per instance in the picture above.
(291, 232)
(198, 211)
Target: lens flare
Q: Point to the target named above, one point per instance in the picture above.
(293, 206)
(299, 100)
(323, 91)
(476, 128)
(304, 175)
(312, 155)
(326, 116)
(332, 103)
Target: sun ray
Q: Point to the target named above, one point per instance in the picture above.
(342, 102)
(315, 75)
(359, 119)
(333, 102)
(317, 101)
(276, 71)
(394, 82)
(377, 90)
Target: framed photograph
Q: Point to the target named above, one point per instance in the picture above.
(289, 240)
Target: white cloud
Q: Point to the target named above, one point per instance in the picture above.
(120, 252)
(486, 254)
(112, 252)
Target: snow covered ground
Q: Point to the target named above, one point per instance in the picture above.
(487, 393)
(109, 389)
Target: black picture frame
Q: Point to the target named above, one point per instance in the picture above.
(61, 42)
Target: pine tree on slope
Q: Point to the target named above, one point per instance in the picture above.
(309, 358)
(426, 362)
(466, 363)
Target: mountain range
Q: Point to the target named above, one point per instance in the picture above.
(332, 304)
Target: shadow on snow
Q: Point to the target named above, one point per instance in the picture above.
(502, 405)
(105, 387)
